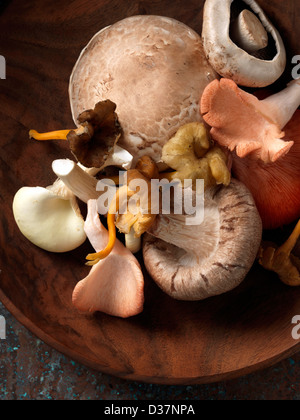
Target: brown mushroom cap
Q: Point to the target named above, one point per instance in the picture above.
(218, 253)
(155, 70)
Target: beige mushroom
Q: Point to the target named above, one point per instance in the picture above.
(155, 70)
(230, 57)
(196, 262)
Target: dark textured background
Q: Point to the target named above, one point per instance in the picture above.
(31, 370)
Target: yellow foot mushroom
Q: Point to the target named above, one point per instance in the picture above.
(281, 260)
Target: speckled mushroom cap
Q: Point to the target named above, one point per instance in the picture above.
(196, 262)
(154, 68)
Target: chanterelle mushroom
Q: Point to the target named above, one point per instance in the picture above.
(281, 260)
(155, 70)
(229, 59)
(196, 262)
(194, 157)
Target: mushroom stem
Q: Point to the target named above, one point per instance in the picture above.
(51, 135)
(96, 257)
(113, 208)
(227, 57)
(49, 217)
(281, 106)
(133, 243)
(249, 33)
(76, 179)
(288, 246)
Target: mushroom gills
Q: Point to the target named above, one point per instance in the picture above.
(190, 246)
(197, 262)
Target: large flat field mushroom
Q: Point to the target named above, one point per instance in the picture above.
(155, 70)
(197, 262)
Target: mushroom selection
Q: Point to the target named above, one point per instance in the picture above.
(176, 120)
(194, 157)
(228, 57)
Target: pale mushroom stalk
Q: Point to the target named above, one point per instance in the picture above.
(133, 243)
(249, 33)
(281, 106)
(76, 179)
(115, 285)
(231, 61)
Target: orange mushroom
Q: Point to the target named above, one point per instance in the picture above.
(246, 125)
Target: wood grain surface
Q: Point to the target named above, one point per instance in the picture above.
(171, 342)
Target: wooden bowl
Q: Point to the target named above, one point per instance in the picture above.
(171, 342)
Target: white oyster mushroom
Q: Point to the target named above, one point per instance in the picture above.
(229, 59)
(49, 217)
(196, 262)
(155, 70)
